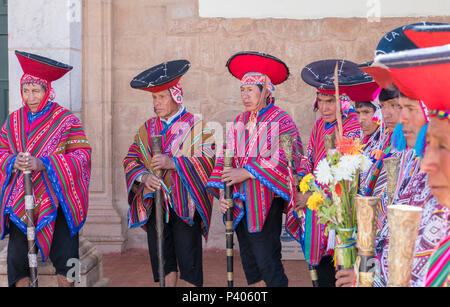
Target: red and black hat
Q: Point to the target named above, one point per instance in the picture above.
(353, 82)
(421, 74)
(425, 36)
(251, 61)
(42, 67)
(395, 40)
(161, 77)
(399, 40)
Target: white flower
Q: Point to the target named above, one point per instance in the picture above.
(323, 172)
(346, 168)
(350, 163)
(341, 172)
(366, 163)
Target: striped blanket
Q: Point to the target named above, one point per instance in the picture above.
(433, 226)
(56, 137)
(257, 149)
(188, 143)
(311, 233)
(409, 167)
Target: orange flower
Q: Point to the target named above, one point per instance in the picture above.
(349, 146)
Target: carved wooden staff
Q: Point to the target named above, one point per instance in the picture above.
(158, 206)
(404, 223)
(286, 144)
(228, 164)
(366, 217)
(391, 166)
(340, 129)
(31, 228)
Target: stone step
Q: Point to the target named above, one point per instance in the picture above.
(87, 273)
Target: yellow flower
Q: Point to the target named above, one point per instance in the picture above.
(304, 184)
(314, 201)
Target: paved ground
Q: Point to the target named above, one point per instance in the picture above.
(132, 269)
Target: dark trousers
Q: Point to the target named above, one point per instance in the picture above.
(64, 247)
(261, 252)
(182, 247)
(326, 272)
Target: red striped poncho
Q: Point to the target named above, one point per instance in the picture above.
(257, 149)
(58, 139)
(310, 233)
(188, 143)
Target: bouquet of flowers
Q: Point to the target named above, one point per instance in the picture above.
(335, 184)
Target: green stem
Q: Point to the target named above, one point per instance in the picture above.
(346, 256)
(349, 255)
(347, 212)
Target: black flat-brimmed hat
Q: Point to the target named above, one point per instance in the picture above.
(161, 77)
(352, 81)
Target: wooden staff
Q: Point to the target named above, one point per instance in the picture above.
(391, 166)
(404, 221)
(286, 144)
(340, 133)
(31, 228)
(156, 150)
(228, 164)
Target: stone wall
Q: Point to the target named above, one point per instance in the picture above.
(125, 37)
(55, 34)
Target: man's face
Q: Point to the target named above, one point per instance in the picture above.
(365, 115)
(163, 104)
(412, 119)
(327, 107)
(32, 95)
(436, 160)
(391, 113)
(250, 95)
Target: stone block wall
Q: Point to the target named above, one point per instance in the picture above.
(55, 34)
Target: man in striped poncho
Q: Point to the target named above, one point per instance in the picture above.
(187, 159)
(317, 247)
(378, 148)
(259, 174)
(377, 122)
(59, 159)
